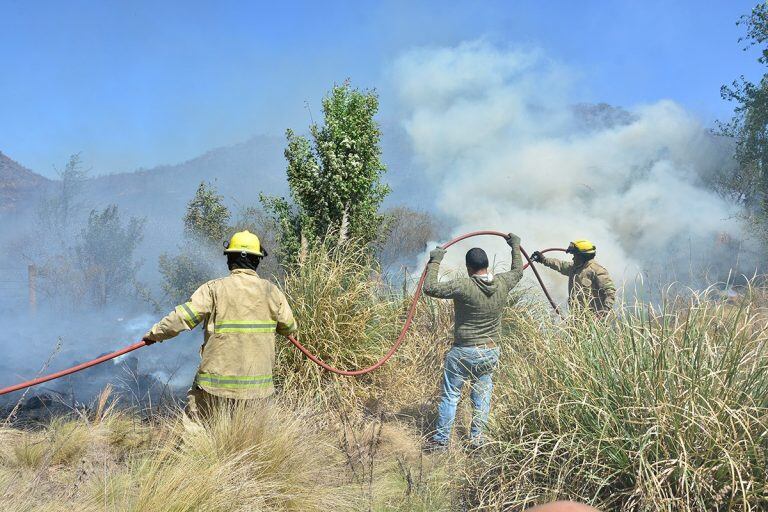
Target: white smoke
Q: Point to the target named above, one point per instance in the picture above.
(497, 130)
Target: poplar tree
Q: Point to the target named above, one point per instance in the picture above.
(334, 176)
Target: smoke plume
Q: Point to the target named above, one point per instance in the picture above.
(501, 137)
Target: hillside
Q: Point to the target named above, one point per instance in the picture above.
(17, 184)
(240, 172)
(243, 170)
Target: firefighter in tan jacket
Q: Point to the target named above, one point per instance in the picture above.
(589, 285)
(240, 314)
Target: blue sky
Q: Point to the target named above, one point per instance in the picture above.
(137, 84)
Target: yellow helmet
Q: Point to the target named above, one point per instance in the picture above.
(581, 247)
(244, 241)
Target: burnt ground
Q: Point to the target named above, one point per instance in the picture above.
(79, 393)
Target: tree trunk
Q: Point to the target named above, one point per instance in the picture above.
(304, 249)
(344, 227)
(32, 275)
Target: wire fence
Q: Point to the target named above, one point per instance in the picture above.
(14, 285)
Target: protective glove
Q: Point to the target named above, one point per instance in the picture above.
(537, 257)
(437, 254)
(147, 340)
(513, 240)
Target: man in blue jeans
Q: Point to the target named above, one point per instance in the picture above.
(478, 305)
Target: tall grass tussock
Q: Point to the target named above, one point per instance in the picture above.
(653, 410)
(346, 315)
(257, 457)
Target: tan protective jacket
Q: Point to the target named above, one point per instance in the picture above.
(240, 314)
(588, 285)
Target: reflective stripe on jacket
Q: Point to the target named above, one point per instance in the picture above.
(240, 314)
(589, 284)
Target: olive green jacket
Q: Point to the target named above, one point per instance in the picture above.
(589, 284)
(240, 314)
(478, 304)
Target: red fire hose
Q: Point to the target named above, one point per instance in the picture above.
(312, 357)
(412, 311)
(69, 371)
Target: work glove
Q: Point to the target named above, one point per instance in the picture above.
(437, 254)
(147, 340)
(513, 240)
(537, 257)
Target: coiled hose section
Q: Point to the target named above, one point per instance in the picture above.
(312, 357)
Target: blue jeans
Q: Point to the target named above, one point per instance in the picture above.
(475, 364)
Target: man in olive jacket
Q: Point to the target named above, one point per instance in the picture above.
(590, 287)
(478, 302)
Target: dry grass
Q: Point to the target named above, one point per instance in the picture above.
(391, 471)
(247, 458)
(267, 456)
(346, 316)
(655, 410)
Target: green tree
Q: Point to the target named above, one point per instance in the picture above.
(63, 206)
(106, 254)
(206, 226)
(207, 219)
(747, 182)
(405, 235)
(83, 257)
(183, 274)
(334, 179)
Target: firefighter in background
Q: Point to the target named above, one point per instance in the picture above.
(240, 314)
(589, 285)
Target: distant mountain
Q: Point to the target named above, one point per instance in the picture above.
(17, 185)
(600, 116)
(240, 172)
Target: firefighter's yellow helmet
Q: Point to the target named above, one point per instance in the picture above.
(581, 247)
(244, 241)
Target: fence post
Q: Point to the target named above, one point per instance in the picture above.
(32, 275)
